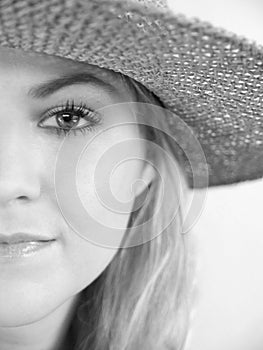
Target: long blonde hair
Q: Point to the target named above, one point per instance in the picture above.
(140, 301)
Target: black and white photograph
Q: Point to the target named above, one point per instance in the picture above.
(131, 174)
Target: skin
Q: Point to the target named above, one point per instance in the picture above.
(40, 292)
(227, 237)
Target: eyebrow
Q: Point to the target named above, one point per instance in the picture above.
(51, 86)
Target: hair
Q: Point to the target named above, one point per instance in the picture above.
(140, 301)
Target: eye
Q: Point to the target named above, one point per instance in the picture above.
(66, 119)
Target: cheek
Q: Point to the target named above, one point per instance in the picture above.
(105, 176)
(85, 261)
(106, 180)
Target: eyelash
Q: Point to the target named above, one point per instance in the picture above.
(87, 113)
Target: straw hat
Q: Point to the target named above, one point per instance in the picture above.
(210, 78)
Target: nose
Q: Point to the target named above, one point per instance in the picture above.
(18, 166)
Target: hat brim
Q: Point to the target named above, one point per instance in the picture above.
(211, 79)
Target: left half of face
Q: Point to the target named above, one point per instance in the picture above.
(61, 191)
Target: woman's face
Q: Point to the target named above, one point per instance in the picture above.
(34, 285)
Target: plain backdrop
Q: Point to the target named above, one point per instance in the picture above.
(243, 17)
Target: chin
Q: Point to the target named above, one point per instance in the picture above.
(27, 303)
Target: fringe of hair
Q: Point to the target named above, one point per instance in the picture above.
(140, 301)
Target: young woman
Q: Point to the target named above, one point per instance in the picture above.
(80, 287)
(93, 252)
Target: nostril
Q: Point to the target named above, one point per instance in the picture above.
(22, 197)
(19, 189)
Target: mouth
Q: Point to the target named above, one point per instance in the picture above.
(22, 237)
(26, 241)
(24, 248)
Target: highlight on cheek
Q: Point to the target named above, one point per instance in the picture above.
(71, 118)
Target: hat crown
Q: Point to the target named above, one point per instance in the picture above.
(150, 3)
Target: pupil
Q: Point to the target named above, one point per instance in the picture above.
(67, 118)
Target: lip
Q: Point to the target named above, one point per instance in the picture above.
(14, 251)
(23, 237)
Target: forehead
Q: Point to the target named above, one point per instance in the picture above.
(38, 75)
(37, 64)
(14, 58)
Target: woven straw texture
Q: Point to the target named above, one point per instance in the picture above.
(212, 79)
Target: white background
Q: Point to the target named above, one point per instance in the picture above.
(244, 17)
